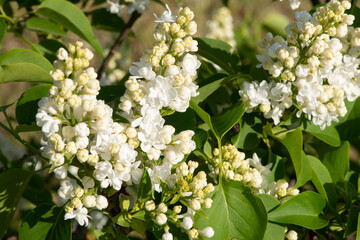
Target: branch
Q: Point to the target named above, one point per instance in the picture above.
(134, 16)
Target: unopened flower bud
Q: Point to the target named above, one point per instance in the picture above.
(150, 205)
(89, 201)
(101, 202)
(162, 207)
(195, 204)
(161, 219)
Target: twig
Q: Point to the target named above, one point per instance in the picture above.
(134, 16)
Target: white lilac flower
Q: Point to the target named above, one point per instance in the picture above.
(161, 92)
(142, 69)
(317, 81)
(166, 16)
(80, 214)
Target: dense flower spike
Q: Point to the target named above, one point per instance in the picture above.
(163, 79)
(316, 67)
(80, 135)
(187, 187)
(221, 26)
(250, 171)
(90, 152)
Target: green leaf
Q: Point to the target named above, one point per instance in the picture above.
(27, 128)
(111, 93)
(337, 162)
(269, 201)
(302, 210)
(352, 222)
(43, 25)
(25, 56)
(235, 213)
(203, 115)
(358, 227)
(218, 52)
(12, 184)
(2, 30)
(250, 131)
(45, 222)
(36, 192)
(71, 17)
(200, 138)
(214, 82)
(27, 106)
(182, 121)
(23, 72)
(209, 86)
(329, 135)
(138, 226)
(224, 122)
(102, 235)
(293, 142)
(140, 215)
(144, 191)
(322, 180)
(103, 19)
(274, 231)
(348, 125)
(122, 219)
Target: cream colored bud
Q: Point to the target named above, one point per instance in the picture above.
(71, 147)
(193, 233)
(191, 28)
(114, 149)
(161, 219)
(74, 101)
(79, 192)
(76, 202)
(216, 151)
(82, 79)
(93, 159)
(174, 28)
(72, 48)
(131, 132)
(134, 142)
(82, 155)
(89, 201)
(162, 207)
(331, 107)
(321, 109)
(57, 159)
(195, 204)
(265, 108)
(177, 209)
(168, 60)
(125, 105)
(119, 167)
(150, 205)
(208, 202)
